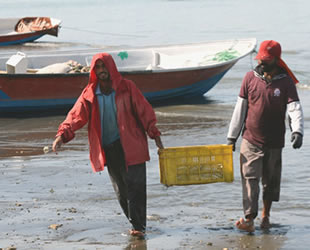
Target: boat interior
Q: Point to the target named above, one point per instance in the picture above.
(172, 58)
(8, 25)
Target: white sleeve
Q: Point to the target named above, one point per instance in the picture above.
(296, 117)
(238, 118)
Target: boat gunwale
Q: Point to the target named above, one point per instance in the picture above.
(251, 49)
(123, 72)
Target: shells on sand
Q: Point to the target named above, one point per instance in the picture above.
(46, 149)
(55, 226)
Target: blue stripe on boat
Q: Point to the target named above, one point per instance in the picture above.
(29, 39)
(32, 105)
(196, 89)
(3, 95)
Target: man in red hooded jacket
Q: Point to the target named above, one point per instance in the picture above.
(118, 117)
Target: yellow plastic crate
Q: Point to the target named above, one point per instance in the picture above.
(196, 165)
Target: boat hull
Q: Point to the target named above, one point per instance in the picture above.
(17, 31)
(26, 37)
(56, 92)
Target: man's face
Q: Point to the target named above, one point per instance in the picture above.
(101, 71)
(268, 66)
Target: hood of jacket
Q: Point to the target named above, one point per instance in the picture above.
(109, 63)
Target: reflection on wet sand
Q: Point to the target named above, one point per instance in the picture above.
(28, 137)
(137, 244)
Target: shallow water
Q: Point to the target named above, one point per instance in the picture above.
(39, 189)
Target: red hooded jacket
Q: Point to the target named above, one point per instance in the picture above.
(135, 117)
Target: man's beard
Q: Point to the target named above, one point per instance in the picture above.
(268, 67)
(104, 76)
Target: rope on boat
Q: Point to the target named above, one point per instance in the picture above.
(253, 54)
(101, 33)
(226, 55)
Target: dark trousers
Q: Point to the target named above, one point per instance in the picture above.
(129, 185)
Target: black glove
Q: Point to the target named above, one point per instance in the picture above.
(296, 140)
(232, 141)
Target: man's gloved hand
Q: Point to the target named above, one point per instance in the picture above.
(296, 140)
(232, 141)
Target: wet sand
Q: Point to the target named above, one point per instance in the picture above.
(39, 190)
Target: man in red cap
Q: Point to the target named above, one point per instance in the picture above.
(119, 118)
(266, 94)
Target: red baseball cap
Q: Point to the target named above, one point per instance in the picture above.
(268, 50)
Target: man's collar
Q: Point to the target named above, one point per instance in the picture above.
(258, 71)
(98, 90)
